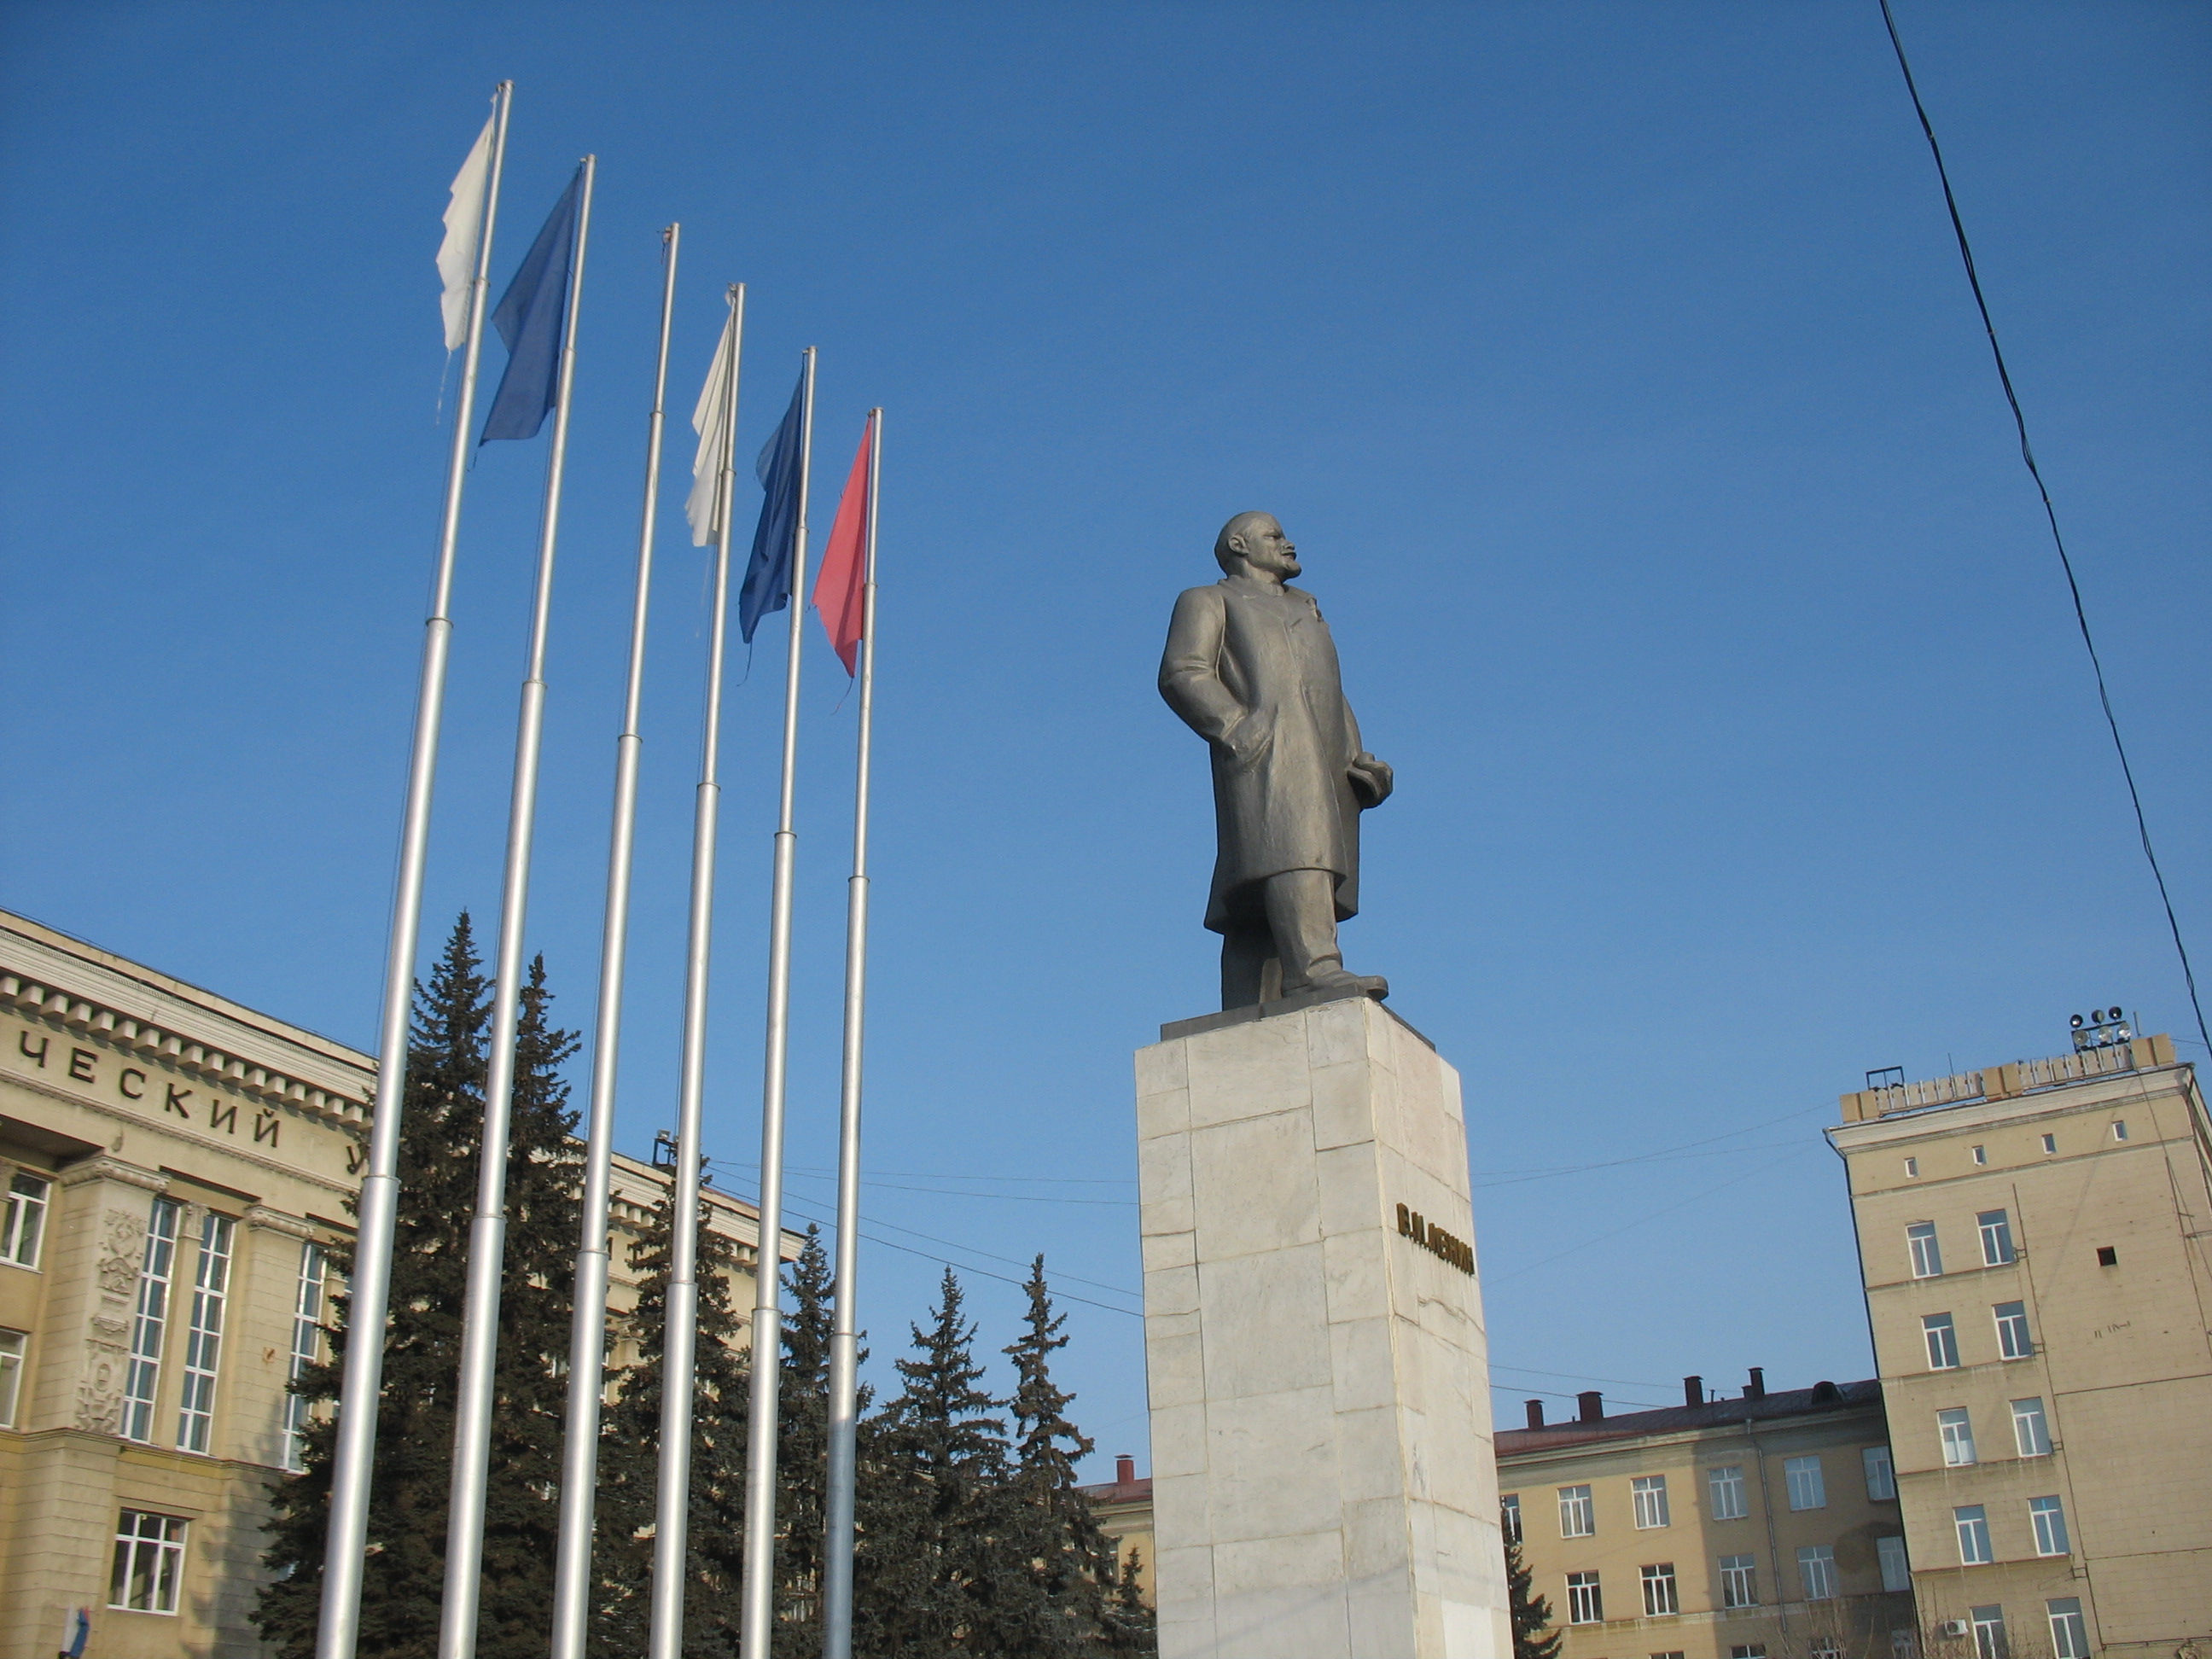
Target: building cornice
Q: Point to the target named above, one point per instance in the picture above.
(1940, 1123)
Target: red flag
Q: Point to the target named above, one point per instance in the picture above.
(838, 585)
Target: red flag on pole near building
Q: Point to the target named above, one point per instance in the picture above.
(838, 585)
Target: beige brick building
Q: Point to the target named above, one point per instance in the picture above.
(171, 1164)
(1762, 1527)
(2034, 1242)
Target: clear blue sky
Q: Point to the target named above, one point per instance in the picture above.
(1611, 364)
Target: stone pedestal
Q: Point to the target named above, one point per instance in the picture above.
(1323, 1478)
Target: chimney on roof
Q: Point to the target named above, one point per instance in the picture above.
(1536, 1414)
(1590, 1406)
(1693, 1391)
(1756, 1388)
(1125, 1470)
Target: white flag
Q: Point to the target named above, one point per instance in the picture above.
(710, 420)
(457, 254)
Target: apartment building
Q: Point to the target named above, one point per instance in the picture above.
(173, 1167)
(1765, 1527)
(2033, 1238)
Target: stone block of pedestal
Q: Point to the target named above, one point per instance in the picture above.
(1323, 1478)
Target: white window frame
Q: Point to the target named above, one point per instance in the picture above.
(1912, 1168)
(1662, 1595)
(1972, 1523)
(2015, 1340)
(1988, 1625)
(204, 1333)
(1981, 1155)
(1995, 1229)
(1649, 1494)
(23, 1224)
(1955, 1429)
(2031, 1429)
(1816, 1572)
(2048, 1517)
(1808, 1484)
(2050, 1143)
(157, 1541)
(2069, 1635)
(1925, 1250)
(1575, 1506)
(1940, 1333)
(1896, 1565)
(149, 1323)
(1726, 1492)
(306, 1348)
(1585, 1599)
(1880, 1474)
(1739, 1581)
(2120, 1128)
(13, 1346)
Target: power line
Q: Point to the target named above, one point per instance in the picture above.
(2051, 513)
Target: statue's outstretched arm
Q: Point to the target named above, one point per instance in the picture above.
(1190, 668)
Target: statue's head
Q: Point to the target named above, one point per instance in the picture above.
(1255, 540)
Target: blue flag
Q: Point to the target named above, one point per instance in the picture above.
(767, 573)
(533, 320)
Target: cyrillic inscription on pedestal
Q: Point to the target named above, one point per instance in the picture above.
(1323, 1484)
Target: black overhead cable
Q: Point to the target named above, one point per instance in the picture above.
(2051, 513)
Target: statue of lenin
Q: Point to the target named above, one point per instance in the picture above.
(1250, 667)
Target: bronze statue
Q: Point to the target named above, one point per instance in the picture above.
(1250, 667)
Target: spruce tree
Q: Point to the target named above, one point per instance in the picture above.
(629, 1458)
(802, 1460)
(935, 1575)
(1531, 1613)
(1068, 1606)
(442, 1133)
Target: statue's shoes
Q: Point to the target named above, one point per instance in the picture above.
(1344, 983)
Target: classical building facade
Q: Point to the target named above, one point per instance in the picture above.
(2036, 1241)
(1760, 1527)
(174, 1165)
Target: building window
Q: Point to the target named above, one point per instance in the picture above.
(1676, 1654)
(23, 1225)
(1585, 1604)
(151, 1319)
(1650, 1492)
(203, 1337)
(12, 1344)
(1816, 1572)
(1988, 1627)
(2049, 1515)
(1973, 1521)
(2107, 1255)
(2030, 1433)
(1825, 1647)
(2119, 1133)
(1942, 1341)
(1807, 1489)
(1958, 1436)
(1726, 1486)
(1896, 1572)
(1981, 1154)
(1997, 1237)
(1748, 1650)
(2013, 1341)
(1659, 1593)
(307, 1340)
(1926, 1253)
(149, 1558)
(1880, 1474)
(1739, 1581)
(1911, 1167)
(2050, 1143)
(1577, 1517)
(2069, 1637)
(1904, 1643)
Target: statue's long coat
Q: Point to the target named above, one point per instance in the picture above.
(1238, 653)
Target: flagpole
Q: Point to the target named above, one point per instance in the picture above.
(353, 1456)
(587, 1343)
(456, 1628)
(759, 1605)
(679, 1347)
(845, 1329)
